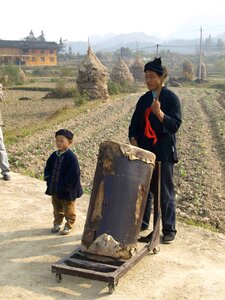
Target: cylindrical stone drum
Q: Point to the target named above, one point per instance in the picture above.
(118, 199)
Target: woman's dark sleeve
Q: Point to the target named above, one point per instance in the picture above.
(134, 124)
(172, 120)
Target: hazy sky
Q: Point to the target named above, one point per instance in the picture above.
(76, 20)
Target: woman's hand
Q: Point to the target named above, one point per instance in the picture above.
(157, 110)
(133, 142)
(156, 106)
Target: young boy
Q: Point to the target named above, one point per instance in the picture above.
(62, 173)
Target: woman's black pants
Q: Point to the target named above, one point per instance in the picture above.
(168, 208)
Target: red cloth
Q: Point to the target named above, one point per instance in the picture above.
(149, 131)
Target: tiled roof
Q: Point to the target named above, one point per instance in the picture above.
(28, 44)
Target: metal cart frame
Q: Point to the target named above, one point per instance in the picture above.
(108, 269)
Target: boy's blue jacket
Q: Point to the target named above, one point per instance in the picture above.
(62, 174)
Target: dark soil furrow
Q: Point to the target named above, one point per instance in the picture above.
(200, 193)
(89, 129)
(221, 100)
(216, 119)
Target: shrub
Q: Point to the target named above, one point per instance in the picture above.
(122, 87)
(11, 75)
(220, 65)
(113, 88)
(81, 98)
(38, 72)
(62, 92)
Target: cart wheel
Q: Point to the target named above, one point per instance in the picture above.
(156, 250)
(58, 277)
(111, 287)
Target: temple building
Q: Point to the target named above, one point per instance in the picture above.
(29, 53)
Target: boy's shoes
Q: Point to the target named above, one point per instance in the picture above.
(168, 238)
(66, 230)
(56, 228)
(6, 177)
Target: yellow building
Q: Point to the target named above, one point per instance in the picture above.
(29, 53)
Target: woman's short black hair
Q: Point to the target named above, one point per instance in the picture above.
(155, 66)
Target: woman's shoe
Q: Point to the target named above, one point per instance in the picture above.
(168, 238)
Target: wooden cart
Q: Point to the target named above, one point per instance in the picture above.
(108, 269)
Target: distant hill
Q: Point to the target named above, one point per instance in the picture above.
(113, 42)
(185, 39)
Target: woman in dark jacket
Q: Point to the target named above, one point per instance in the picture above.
(154, 123)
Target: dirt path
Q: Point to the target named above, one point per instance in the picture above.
(191, 268)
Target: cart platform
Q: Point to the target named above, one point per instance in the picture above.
(108, 269)
(101, 268)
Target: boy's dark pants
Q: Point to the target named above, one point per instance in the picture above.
(168, 209)
(61, 209)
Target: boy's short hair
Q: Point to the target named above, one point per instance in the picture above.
(65, 132)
